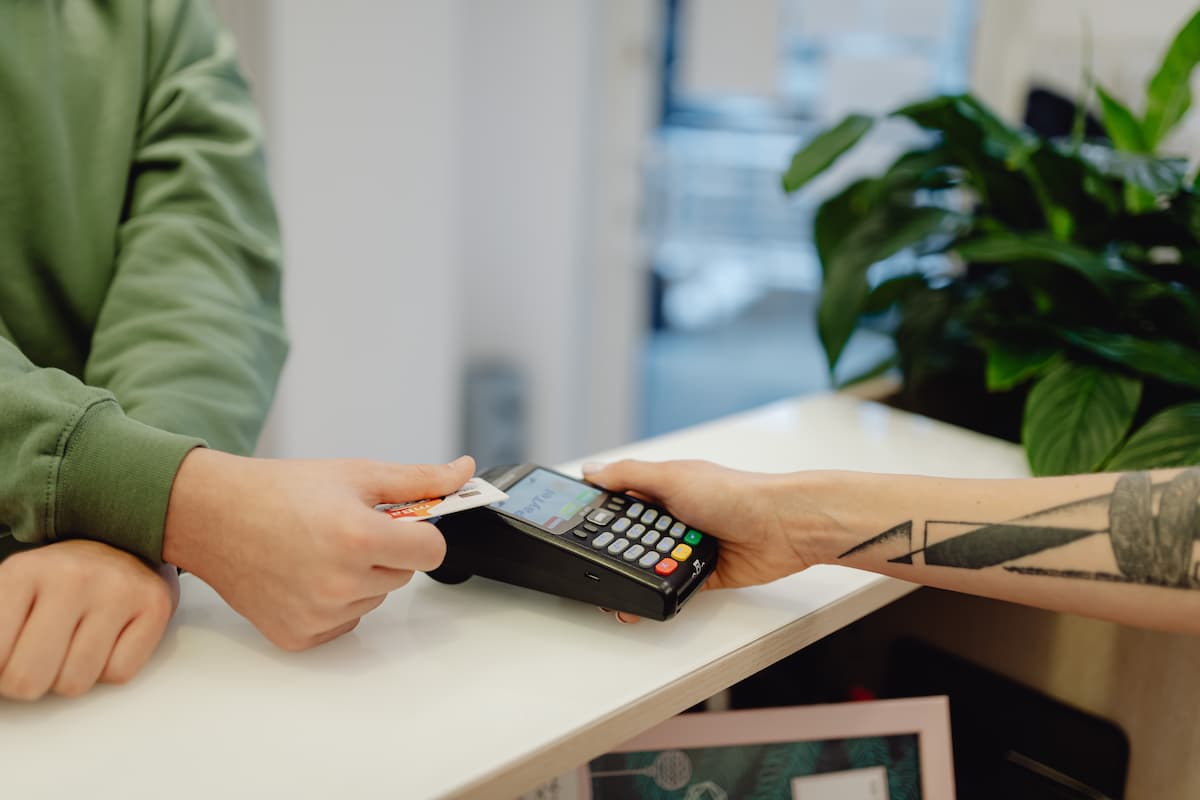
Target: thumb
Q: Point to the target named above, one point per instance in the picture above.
(399, 483)
(653, 479)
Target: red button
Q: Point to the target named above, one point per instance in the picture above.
(666, 566)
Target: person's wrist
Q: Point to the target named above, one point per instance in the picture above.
(201, 484)
(819, 512)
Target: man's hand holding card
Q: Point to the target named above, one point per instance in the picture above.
(474, 493)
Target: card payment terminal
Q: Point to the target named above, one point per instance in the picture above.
(566, 537)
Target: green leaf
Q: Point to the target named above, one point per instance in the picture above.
(1147, 172)
(1169, 93)
(1171, 438)
(1161, 358)
(892, 291)
(1075, 417)
(882, 233)
(824, 149)
(1105, 273)
(1009, 365)
(1122, 126)
(992, 155)
(840, 215)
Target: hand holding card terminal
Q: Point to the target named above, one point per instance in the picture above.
(566, 537)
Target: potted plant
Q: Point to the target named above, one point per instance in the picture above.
(1052, 291)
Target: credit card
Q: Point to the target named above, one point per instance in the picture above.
(474, 493)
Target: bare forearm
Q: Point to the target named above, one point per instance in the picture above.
(1117, 546)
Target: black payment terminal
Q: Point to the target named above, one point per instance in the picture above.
(566, 537)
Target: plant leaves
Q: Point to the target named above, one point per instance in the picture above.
(990, 153)
(1106, 274)
(1122, 126)
(1147, 172)
(823, 149)
(1161, 358)
(1169, 93)
(882, 233)
(1171, 438)
(838, 216)
(1010, 365)
(1075, 417)
(887, 293)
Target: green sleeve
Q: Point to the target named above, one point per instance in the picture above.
(72, 464)
(190, 338)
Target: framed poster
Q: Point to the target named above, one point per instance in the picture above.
(874, 750)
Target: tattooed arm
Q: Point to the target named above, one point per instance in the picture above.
(1120, 546)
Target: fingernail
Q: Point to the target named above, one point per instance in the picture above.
(593, 466)
(458, 462)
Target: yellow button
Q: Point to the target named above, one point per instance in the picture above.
(681, 552)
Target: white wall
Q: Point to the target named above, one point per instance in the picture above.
(362, 116)
(458, 181)
(556, 98)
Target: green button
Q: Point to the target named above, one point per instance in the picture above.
(693, 537)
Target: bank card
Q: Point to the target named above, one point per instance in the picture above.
(474, 493)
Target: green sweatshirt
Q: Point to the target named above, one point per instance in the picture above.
(139, 264)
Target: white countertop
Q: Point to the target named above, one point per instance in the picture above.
(479, 689)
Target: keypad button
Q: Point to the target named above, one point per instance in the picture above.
(651, 537)
(617, 499)
(613, 507)
(666, 566)
(665, 545)
(649, 516)
(677, 529)
(601, 516)
(621, 525)
(636, 510)
(603, 539)
(582, 532)
(693, 537)
(636, 532)
(617, 546)
(663, 523)
(649, 560)
(682, 552)
(589, 526)
(633, 552)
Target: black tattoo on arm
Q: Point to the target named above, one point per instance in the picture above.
(1152, 527)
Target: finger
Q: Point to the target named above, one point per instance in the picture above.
(16, 601)
(134, 646)
(399, 483)
(88, 653)
(341, 630)
(360, 608)
(657, 479)
(398, 545)
(38, 656)
(628, 619)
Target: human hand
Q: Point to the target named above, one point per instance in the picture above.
(297, 547)
(76, 612)
(756, 516)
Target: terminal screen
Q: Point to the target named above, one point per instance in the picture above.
(547, 500)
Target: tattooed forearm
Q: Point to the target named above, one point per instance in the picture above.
(1153, 529)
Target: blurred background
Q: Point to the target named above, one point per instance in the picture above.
(535, 229)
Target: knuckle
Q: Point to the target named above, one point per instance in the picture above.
(331, 588)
